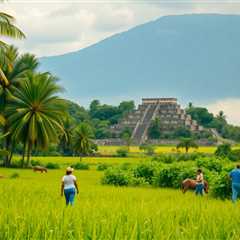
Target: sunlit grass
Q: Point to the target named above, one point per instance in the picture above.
(31, 208)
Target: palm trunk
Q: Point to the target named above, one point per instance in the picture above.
(29, 154)
(23, 155)
(7, 146)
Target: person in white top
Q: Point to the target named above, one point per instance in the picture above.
(199, 182)
(69, 186)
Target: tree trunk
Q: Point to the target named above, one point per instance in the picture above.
(7, 146)
(29, 151)
(23, 155)
(186, 149)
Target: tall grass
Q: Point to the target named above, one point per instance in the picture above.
(31, 208)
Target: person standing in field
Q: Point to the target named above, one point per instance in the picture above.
(235, 178)
(69, 186)
(199, 183)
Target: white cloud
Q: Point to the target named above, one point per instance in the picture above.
(230, 107)
(56, 26)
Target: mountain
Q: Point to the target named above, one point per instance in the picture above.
(192, 57)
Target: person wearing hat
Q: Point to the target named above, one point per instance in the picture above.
(69, 186)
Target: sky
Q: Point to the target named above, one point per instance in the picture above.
(55, 27)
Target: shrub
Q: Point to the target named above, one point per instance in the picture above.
(102, 166)
(81, 166)
(145, 171)
(234, 155)
(36, 163)
(116, 176)
(122, 152)
(167, 176)
(125, 166)
(222, 186)
(172, 175)
(211, 163)
(148, 149)
(165, 158)
(15, 175)
(51, 165)
(223, 150)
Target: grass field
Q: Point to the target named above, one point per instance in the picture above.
(159, 149)
(31, 208)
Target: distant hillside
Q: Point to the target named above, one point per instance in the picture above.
(192, 57)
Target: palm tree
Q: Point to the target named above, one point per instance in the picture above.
(82, 143)
(15, 70)
(7, 29)
(187, 143)
(35, 113)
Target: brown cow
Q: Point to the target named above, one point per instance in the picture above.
(39, 169)
(191, 184)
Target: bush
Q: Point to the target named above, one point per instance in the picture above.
(36, 163)
(145, 171)
(223, 150)
(222, 186)
(15, 175)
(210, 163)
(172, 175)
(102, 166)
(122, 152)
(234, 155)
(148, 149)
(125, 166)
(81, 166)
(116, 176)
(51, 165)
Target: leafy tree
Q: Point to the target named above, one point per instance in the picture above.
(187, 143)
(148, 149)
(154, 131)
(82, 140)
(201, 115)
(126, 107)
(182, 132)
(126, 135)
(35, 114)
(7, 29)
(15, 69)
(223, 150)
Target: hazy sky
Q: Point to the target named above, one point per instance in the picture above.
(56, 27)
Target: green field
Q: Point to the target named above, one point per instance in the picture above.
(31, 208)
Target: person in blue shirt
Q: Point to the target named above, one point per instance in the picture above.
(235, 178)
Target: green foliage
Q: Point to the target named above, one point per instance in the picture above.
(187, 143)
(122, 152)
(210, 163)
(145, 171)
(81, 166)
(182, 132)
(221, 187)
(82, 140)
(103, 166)
(36, 163)
(223, 150)
(177, 157)
(201, 115)
(51, 165)
(154, 131)
(15, 175)
(116, 176)
(148, 149)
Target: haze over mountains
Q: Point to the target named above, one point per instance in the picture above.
(192, 57)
